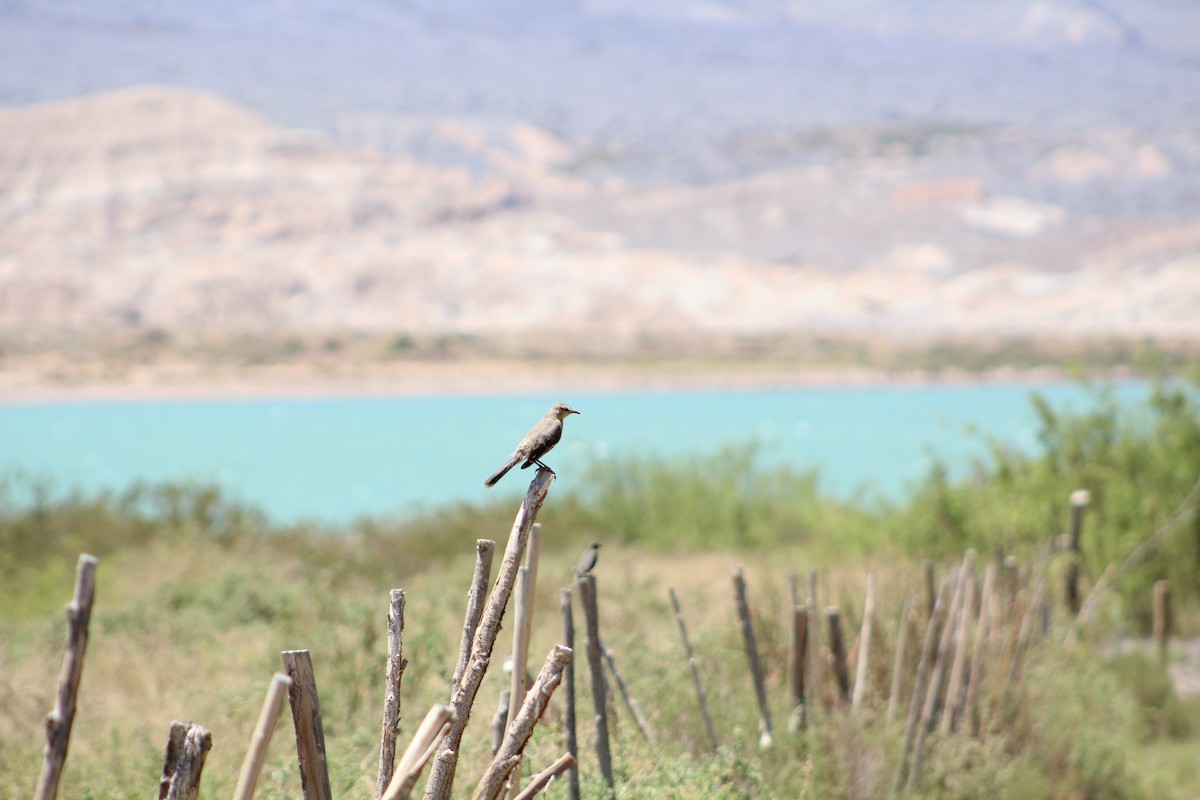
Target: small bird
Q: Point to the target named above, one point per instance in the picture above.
(587, 560)
(540, 440)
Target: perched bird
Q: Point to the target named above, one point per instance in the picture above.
(587, 560)
(540, 440)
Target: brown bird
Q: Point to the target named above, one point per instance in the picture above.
(587, 560)
(540, 440)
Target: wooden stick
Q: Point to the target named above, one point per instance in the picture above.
(837, 649)
(424, 744)
(569, 688)
(540, 781)
(62, 717)
(256, 755)
(930, 588)
(484, 550)
(955, 688)
(695, 669)
(864, 645)
(751, 646)
(591, 613)
(520, 728)
(1079, 503)
(631, 703)
(306, 715)
(797, 666)
(1162, 619)
(441, 777)
(815, 661)
(979, 655)
(391, 696)
(906, 624)
(917, 701)
(500, 720)
(187, 748)
(522, 607)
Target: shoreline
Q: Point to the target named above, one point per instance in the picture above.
(452, 379)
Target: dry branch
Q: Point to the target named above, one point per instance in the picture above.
(954, 689)
(187, 747)
(256, 755)
(522, 611)
(424, 744)
(591, 613)
(634, 709)
(978, 656)
(906, 625)
(391, 697)
(60, 719)
(484, 550)
(751, 645)
(540, 781)
(306, 714)
(695, 670)
(864, 645)
(917, 701)
(569, 714)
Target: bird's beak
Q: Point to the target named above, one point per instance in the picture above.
(572, 411)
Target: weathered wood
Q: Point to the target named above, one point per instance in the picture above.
(751, 646)
(568, 619)
(955, 688)
(187, 748)
(62, 716)
(522, 609)
(837, 650)
(1079, 503)
(256, 755)
(424, 744)
(917, 701)
(306, 715)
(695, 670)
(631, 703)
(797, 667)
(484, 551)
(591, 614)
(931, 589)
(864, 646)
(441, 777)
(542, 780)
(815, 661)
(391, 695)
(979, 654)
(520, 728)
(897, 687)
(500, 719)
(1162, 619)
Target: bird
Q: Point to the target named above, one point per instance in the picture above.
(587, 560)
(540, 440)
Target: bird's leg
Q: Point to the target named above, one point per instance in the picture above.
(543, 466)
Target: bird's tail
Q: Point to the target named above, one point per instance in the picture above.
(498, 474)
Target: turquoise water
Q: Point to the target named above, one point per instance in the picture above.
(333, 459)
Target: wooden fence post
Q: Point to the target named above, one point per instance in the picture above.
(187, 747)
(591, 613)
(256, 755)
(864, 645)
(897, 687)
(979, 654)
(797, 666)
(815, 660)
(306, 715)
(1079, 503)
(695, 669)
(837, 649)
(931, 590)
(917, 702)
(424, 744)
(484, 551)
(1162, 619)
(568, 618)
(60, 719)
(441, 774)
(391, 696)
(522, 608)
(955, 688)
(751, 645)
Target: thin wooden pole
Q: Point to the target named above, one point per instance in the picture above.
(568, 618)
(306, 715)
(1079, 503)
(797, 667)
(955, 688)
(391, 697)
(979, 655)
(917, 702)
(815, 660)
(931, 590)
(864, 645)
(500, 720)
(424, 744)
(522, 606)
(62, 717)
(187, 748)
(520, 728)
(1162, 619)
(906, 624)
(591, 613)
(542, 780)
(751, 646)
(256, 755)
(484, 551)
(695, 669)
(631, 703)
(441, 777)
(837, 649)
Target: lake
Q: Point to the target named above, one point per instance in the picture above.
(332, 459)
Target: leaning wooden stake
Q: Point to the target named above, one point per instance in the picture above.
(815, 661)
(424, 744)
(523, 610)
(837, 649)
(441, 777)
(187, 747)
(864, 645)
(930, 588)
(540, 781)
(391, 696)
(751, 645)
(955, 687)
(695, 669)
(917, 701)
(591, 613)
(898, 665)
(635, 710)
(60, 719)
(261, 740)
(1162, 619)
(520, 728)
(484, 551)
(1079, 503)
(797, 667)
(979, 654)
(569, 703)
(310, 735)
